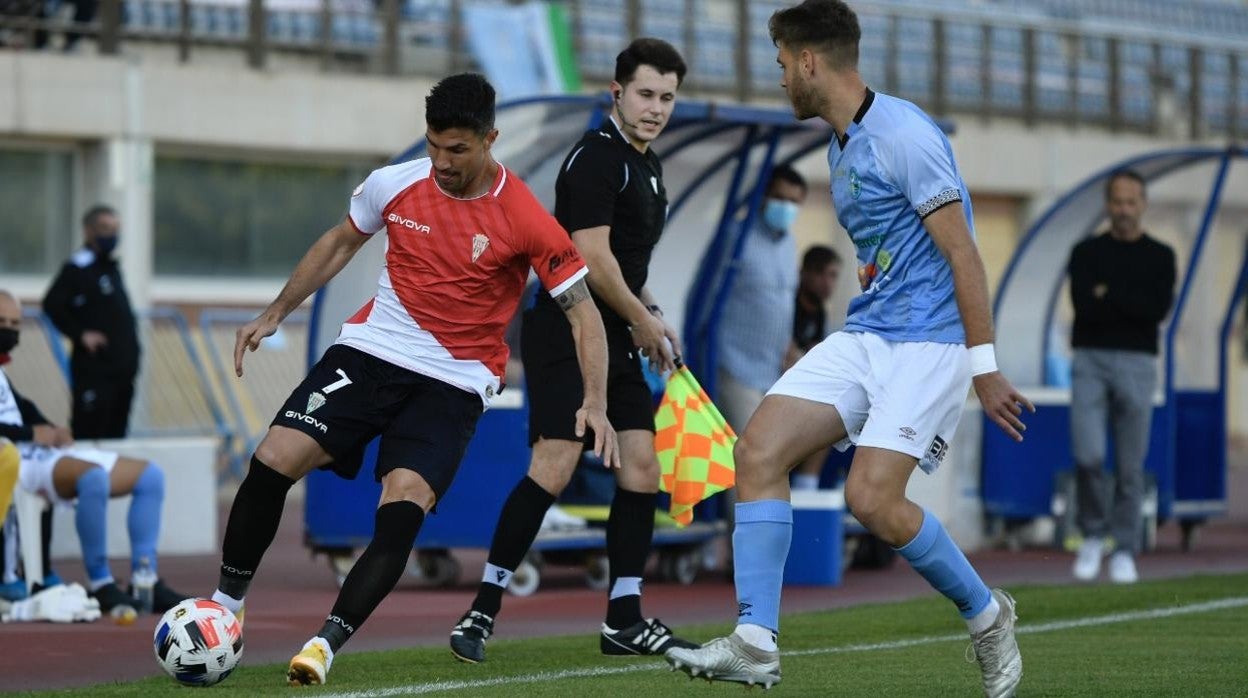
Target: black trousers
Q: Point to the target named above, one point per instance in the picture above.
(101, 406)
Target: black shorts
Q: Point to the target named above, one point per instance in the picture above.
(552, 378)
(350, 397)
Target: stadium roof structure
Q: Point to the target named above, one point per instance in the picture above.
(716, 159)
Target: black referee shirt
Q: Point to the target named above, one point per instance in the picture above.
(606, 181)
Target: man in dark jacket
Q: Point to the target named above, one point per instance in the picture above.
(1122, 286)
(88, 304)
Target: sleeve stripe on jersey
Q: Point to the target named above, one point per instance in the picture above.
(573, 159)
(576, 276)
(939, 201)
(353, 225)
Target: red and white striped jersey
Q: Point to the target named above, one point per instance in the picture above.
(455, 272)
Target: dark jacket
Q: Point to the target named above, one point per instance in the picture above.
(88, 294)
(31, 417)
(1139, 280)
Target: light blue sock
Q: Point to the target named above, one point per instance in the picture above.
(933, 554)
(91, 520)
(143, 521)
(760, 545)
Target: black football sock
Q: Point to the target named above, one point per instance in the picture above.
(518, 524)
(630, 528)
(376, 572)
(253, 523)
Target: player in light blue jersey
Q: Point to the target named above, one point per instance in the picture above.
(894, 380)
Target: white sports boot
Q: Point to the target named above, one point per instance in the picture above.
(997, 652)
(728, 659)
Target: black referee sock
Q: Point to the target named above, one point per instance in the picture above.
(630, 528)
(518, 524)
(253, 522)
(376, 572)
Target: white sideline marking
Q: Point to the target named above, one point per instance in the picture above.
(590, 672)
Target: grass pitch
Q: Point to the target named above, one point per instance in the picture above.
(1181, 637)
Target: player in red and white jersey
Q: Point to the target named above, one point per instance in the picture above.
(420, 361)
(455, 268)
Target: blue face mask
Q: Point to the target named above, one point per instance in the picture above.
(106, 245)
(779, 214)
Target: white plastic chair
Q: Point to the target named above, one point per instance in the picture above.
(29, 508)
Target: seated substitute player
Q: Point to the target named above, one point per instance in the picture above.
(419, 362)
(609, 195)
(85, 479)
(894, 381)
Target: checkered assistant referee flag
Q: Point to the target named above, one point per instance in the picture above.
(694, 445)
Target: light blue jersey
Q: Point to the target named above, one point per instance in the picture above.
(894, 168)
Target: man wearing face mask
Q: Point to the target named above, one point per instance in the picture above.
(84, 479)
(755, 332)
(88, 304)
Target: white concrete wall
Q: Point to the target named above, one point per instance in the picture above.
(188, 517)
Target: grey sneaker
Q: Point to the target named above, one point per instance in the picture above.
(728, 659)
(997, 652)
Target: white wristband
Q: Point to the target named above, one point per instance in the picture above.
(983, 359)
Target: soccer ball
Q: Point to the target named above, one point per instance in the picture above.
(198, 642)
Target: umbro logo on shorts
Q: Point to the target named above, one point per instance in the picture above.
(907, 433)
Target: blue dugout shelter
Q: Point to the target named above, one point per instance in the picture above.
(716, 160)
(1188, 450)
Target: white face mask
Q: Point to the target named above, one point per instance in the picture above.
(779, 214)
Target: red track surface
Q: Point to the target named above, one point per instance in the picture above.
(294, 592)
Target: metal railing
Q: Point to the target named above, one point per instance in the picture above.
(271, 373)
(991, 59)
(174, 392)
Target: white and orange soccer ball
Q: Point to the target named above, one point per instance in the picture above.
(198, 642)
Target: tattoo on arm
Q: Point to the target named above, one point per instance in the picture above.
(577, 293)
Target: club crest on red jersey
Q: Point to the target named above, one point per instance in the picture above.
(479, 243)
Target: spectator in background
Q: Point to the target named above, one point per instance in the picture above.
(85, 478)
(821, 267)
(1122, 285)
(754, 336)
(88, 304)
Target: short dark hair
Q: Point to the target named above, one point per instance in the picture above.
(826, 26)
(465, 100)
(786, 173)
(93, 214)
(656, 53)
(818, 257)
(1125, 173)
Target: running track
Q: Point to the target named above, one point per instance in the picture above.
(294, 592)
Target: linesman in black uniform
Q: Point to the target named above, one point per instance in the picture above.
(609, 195)
(88, 304)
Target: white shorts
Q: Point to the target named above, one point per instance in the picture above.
(902, 396)
(38, 462)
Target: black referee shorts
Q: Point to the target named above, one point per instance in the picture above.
(552, 378)
(350, 397)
